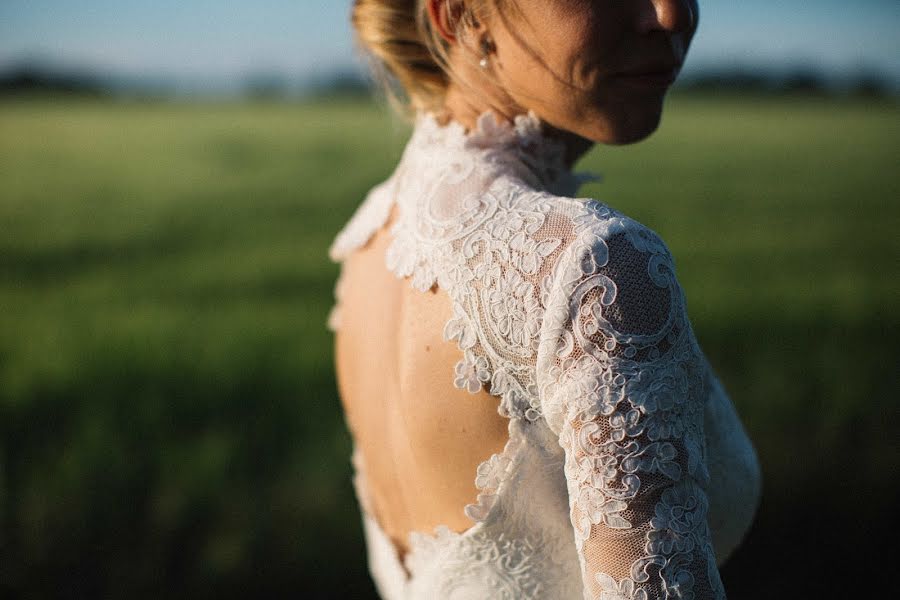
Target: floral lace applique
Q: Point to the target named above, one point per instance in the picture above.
(628, 386)
(572, 314)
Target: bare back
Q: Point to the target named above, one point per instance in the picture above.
(420, 437)
(570, 312)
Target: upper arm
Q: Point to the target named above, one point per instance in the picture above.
(622, 383)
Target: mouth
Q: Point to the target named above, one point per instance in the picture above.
(651, 77)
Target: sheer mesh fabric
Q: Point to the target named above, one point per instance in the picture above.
(570, 312)
(629, 387)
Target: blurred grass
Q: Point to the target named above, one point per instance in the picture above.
(169, 420)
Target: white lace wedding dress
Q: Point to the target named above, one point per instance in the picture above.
(627, 475)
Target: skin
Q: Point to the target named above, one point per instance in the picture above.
(594, 71)
(421, 439)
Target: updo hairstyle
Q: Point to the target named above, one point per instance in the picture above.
(409, 57)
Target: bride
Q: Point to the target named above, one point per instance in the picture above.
(532, 416)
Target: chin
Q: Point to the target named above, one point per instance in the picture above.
(634, 125)
(633, 133)
(624, 124)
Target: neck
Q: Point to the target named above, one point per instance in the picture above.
(463, 108)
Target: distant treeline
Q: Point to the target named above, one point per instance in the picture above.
(28, 81)
(35, 80)
(801, 80)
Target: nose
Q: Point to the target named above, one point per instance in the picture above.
(674, 16)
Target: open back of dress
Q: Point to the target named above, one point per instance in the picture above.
(606, 458)
(422, 438)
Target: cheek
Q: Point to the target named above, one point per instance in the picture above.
(578, 48)
(561, 57)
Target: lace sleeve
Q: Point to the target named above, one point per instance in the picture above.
(622, 384)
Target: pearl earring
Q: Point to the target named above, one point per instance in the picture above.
(487, 47)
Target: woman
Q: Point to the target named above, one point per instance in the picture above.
(531, 413)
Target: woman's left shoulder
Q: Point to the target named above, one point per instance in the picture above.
(599, 233)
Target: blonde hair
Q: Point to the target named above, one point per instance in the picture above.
(410, 59)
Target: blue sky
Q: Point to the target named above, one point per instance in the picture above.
(219, 40)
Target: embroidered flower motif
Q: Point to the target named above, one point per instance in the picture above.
(527, 126)
(626, 424)
(528, 254)
(655, 458)
(490, 473)
(665, 425)
(488, 477)
(505, 228)
(471, 373)
(657, 398)
(454, 276)
(589, 388)
(401, 255)
(490, 132)
(593, 467)
(678, 516)
(659, 389)
(506, 384)
(461, 329)
(595, 508)
(488, 272)
(680, 584)
(515, 309)
(626, 589)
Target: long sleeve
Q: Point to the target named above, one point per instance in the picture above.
(623, 385)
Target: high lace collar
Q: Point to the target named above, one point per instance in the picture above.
(524, 138)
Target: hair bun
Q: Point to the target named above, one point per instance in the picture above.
(398, 36)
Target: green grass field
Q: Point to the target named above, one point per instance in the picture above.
(170, 426)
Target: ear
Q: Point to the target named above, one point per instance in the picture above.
(445, 16)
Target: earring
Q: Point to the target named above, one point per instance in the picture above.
(487, 47)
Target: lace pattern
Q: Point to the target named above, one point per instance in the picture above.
(626, 387)
(485, 243)
(572, 314)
